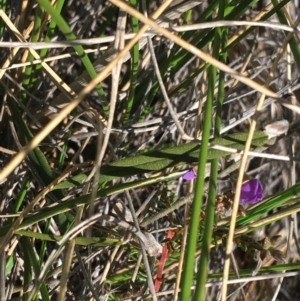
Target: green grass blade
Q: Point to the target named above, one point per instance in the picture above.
(81, 241)
(50, 33)
(249, 30)
(21, 197)
(192, 238)
(28, 248)
(51, 28)
(293, 43)
(65, 28)
(3, 5)
(219, 42)
(36, 156)
(27, 270)
(134, 68)
(30, 78)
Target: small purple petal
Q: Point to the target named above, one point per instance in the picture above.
(190, 175)
(251, 192)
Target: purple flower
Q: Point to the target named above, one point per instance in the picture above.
(190, 175)
(251, 192)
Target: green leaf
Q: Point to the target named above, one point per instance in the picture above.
(82, 241)
(155, 161)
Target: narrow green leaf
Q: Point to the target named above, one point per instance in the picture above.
(167, 157)
(81, 241)
(28, 248)
(65, 28)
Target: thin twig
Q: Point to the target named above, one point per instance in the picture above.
(128, 36)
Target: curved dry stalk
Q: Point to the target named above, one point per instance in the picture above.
(128, 36)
